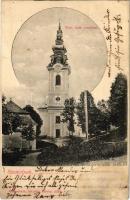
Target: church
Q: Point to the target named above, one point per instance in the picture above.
(58, 90)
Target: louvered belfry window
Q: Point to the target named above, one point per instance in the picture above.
(58, 79)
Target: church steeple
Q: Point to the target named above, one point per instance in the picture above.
(58, 88)
(59, 40)
(59, 51)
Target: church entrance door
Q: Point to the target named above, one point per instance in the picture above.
(57, 133)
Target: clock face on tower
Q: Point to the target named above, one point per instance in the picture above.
(57, 100)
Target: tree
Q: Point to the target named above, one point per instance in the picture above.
(102, 105)
(91, 108)
(15, 121)
(28, 132)
(6, 118)
(118, 104)
(81, 113)
(36, 117)
(68, 114)
(3, 100)
(104, 114)
(96, 119)
(10, 121)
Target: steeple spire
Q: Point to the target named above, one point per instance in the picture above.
(59, 40)
(59, 50)
(59, 25)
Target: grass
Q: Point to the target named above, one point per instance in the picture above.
(9, 159)
(78, 151)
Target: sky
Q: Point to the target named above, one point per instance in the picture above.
(32, 48)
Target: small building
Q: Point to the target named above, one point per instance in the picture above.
(26, 120)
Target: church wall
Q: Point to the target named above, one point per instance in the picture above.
(53, 125)
(49, 123)
(57, 91)
(45, 127)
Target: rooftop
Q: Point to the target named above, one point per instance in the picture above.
(14, 108)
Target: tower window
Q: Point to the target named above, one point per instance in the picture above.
(58, 80)
(57, 119)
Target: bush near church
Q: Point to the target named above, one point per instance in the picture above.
(98, 149)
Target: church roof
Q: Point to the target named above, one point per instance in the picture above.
(25, 116)
(14, 108)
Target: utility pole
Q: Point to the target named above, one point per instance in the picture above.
(86, 112)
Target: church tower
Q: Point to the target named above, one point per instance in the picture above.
(58, 89)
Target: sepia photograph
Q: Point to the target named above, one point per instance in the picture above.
(58, 111)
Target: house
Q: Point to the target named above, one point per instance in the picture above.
(25, 121)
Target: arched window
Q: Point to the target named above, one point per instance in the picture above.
(58, 80)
